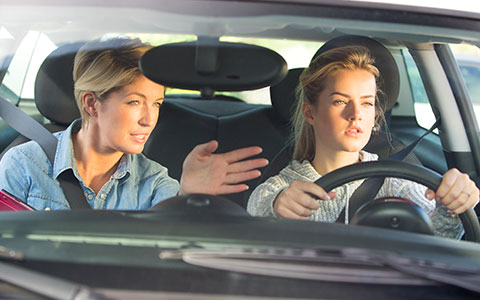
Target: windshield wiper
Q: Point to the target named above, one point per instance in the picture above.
(344, 265)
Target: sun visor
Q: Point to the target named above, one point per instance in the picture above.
(213, 66)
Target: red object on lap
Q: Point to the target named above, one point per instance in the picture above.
(10, 203)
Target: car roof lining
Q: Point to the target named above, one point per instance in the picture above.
(83, 20)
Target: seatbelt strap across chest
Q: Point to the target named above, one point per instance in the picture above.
(28, 127)
(370, 187)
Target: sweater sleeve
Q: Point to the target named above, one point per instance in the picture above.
(261, 200)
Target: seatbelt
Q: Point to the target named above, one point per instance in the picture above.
(28, 127)
(370, 187)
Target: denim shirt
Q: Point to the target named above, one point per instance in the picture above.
(26, 173)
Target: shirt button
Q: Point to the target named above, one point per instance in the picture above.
(47, 208)
(90, 197)
(102, 196)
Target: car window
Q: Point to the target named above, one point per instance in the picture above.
(468, 60)
(19, 80)
(423, 111)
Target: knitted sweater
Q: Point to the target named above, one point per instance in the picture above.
(261, 200)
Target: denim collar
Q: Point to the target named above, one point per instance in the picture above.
(64, 158)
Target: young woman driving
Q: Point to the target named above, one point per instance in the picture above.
(336, 112)
(119, 109)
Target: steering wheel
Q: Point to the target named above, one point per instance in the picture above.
(387, 168)
(200, 205)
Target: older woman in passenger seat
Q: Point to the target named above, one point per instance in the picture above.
(336, 112)
(119, 109)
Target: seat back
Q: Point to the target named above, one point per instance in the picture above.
(185, 123)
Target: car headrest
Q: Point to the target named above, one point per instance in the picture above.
(54, 95)
(389, 81)
(283, 93)
(213, 66)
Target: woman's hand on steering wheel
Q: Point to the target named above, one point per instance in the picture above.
(457, 192)
(298, 200)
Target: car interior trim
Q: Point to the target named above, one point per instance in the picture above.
(465, 106)
(441, 97)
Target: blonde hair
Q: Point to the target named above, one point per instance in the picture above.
(106, 66)
(313, 81)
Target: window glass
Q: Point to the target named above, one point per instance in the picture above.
(468, 60)
(20, 78)
(423, 110)
(19, 81)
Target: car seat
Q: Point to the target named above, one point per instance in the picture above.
(186, 122)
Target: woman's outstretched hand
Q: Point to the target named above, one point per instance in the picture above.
(209, 173)
(457, 192)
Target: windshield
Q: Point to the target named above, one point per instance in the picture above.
(239, 148)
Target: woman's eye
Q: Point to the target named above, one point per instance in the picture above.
(339, 102)
(368, 104)
(133, 102)
(158, 104)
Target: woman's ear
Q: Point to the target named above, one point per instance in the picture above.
(307, 111)
(89, 100)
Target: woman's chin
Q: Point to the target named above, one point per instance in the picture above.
(133, 149)
(355, 147)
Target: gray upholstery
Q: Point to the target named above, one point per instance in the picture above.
(184, 123)
(54, 86)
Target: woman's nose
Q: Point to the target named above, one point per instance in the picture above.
(149, 116)
(354, 112)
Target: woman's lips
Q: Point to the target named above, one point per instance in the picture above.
(140, 138)
(354, 131)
